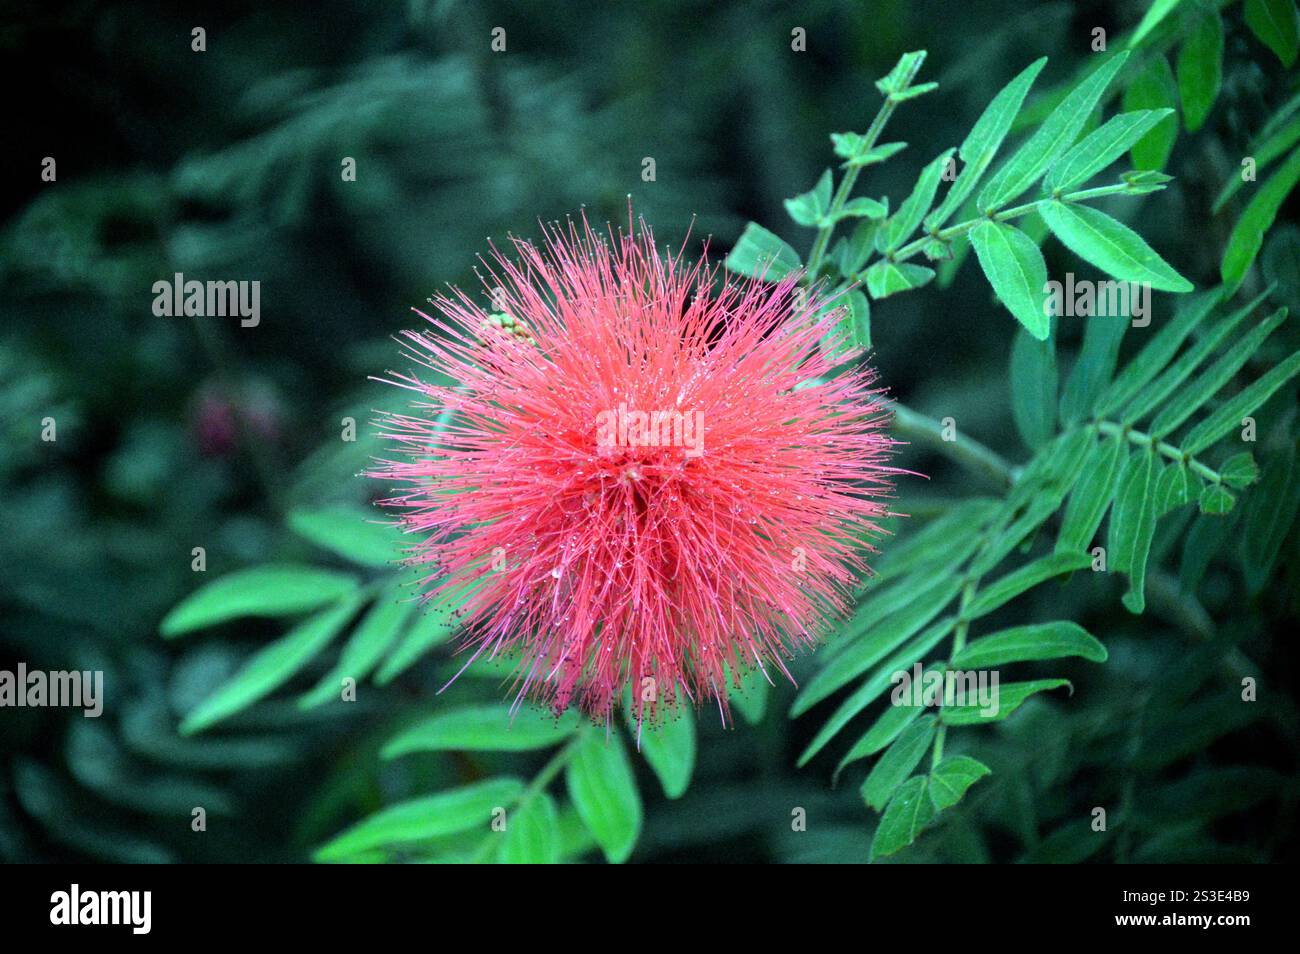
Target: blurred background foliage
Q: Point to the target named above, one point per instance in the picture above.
(175, 433)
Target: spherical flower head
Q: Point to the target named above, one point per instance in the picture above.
(636, 472)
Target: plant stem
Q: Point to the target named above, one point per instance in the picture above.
(958, 643)
(966, 451)
(961, 228)
(845, 189)
(540, 781)
(1143, 439)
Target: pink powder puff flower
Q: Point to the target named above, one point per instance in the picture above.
(645, 472)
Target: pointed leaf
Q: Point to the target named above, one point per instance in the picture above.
(489, 728)
(1091, 496)
(273, 590)
(1276, 25)
(1028, 643)
(1027, 577)
(897, 763)
(1009, 698)
(761, 254)
(669, 748)
(604, 791)
(1110, 245)
(421, 819)
(1033, 388)
(1101, 147)
(1154, 87)
(1200, 68)
(1228, 415)
(909, 811)
(272, 666)
(915, 206)
(982, 143)
(351, 532)
(886, 278)
(950, 779)
(532, 835)
(1015, 268)
(1051, 139)
(1133, 524)
(1248, 234)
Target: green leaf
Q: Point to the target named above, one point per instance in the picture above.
(808, 208)
(950, 779)
(909, 811)
(854, 328)
(915, 206)
(1174, 488)
(1093, 368)
(1033, 388)
(761, 254)
(1263, 151)
(1229, 414)
(1015, 268)
(859, 208)
(751, 696)
(886, 278)
(1009, 698)
(914, 91)
(1157, 352)
(857, 248)
(982, 143)
(900, 77)
(1154, 87)
(887, 727)
(1275, 24)
(532, 835)
(1144, 181)
(1270, 510)
(1199, 390)
(1216, 500)
(1091, 496)
(421, 819)
(272, 666)
(852, 147)
(897, 763)
(350, 532)
(489, 728)
(373, 637)
(434, 624)
(1157, 392)
(1239, 470)
(1028, 643)
(669, 748)
(1158, 10)
(874, 685)
(1027, 577)
(1110, 245)
(273, 590)
(1050, 140)
(603, 789)
(1133, 524)
(1200, 68)
(858, 655)
(1101, 147)
(1248, 234)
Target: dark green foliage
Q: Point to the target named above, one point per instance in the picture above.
(1098, 526)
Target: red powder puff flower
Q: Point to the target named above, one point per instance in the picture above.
(644, 471)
